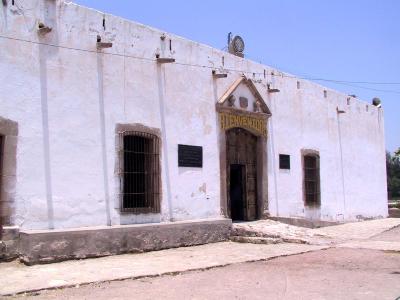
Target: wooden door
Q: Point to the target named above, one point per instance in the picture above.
(251, 178)
(241, 147)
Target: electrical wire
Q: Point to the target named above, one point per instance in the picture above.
(356, 82)
(369, 88)
(343, 82)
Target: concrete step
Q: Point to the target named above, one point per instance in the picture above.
(301, 222)
(254, 235)
(251, 233)
(255, 240)
(266, 239)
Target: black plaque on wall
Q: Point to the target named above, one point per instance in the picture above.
(284, 161)
(190, 156)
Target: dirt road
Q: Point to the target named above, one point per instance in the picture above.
(336, 273)
(328, 274)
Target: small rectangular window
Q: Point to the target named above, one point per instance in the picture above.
(311, 180)
(140, 170)
(284, 161)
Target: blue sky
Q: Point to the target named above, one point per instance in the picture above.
(351, 40)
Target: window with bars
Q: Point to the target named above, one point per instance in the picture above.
(312, 180)
(140, 172)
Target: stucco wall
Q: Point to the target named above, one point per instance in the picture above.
(67, 99)
(351, 148)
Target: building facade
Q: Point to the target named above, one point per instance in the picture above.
(107, 123)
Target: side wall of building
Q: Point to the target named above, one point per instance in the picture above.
(67, 99)
(347, 134)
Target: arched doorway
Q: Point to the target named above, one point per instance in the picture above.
(241, 156)
(243, 119)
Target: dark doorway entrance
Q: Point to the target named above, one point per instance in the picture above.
(241, 147)
(237, 191)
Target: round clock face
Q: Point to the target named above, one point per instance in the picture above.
(238, 44)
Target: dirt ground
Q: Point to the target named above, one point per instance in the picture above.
(326, 274)
(336, 273)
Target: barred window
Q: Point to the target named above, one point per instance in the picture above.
(312, 180)
(140, 172)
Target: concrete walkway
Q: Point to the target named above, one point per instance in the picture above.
(319, 236)
(358, 230)
(18, 278)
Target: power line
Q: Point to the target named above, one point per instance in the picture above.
(77, 49)
(351, 83)
(356, 82)
(347, 83)
(343, 82)
(369, 88)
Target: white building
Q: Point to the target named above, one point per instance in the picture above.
(95, 109)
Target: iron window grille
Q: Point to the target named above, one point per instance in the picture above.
(312, 180)
(139, 165)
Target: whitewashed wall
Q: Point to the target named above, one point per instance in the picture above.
(351, 148)
(67, 100)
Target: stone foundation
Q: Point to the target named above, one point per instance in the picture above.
(9, 243)
(57, 245)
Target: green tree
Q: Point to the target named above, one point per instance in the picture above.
(393, 174)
